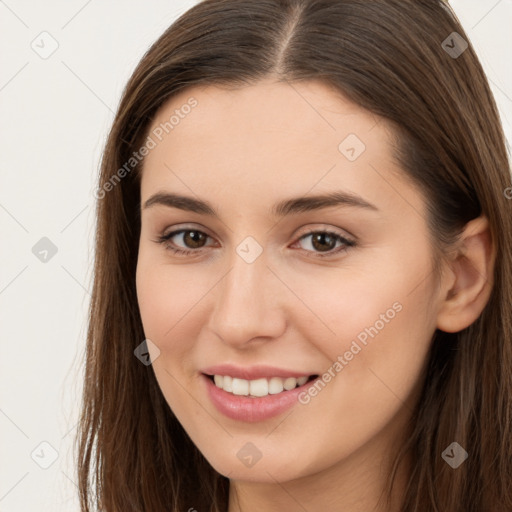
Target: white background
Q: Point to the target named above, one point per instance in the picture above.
(54, 117)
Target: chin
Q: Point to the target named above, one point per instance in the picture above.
(262, 470)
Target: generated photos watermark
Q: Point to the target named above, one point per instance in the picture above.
(151, 142)
(344, 359)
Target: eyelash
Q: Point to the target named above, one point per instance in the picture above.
(164, 239)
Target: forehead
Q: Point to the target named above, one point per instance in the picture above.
(269, 139)
(281, 115)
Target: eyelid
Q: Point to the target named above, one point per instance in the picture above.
(185, 227)
(325, 228)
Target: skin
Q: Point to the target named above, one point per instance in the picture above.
(243, 150)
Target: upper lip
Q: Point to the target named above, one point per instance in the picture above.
(253, 372)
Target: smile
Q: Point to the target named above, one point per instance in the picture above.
(253, 394)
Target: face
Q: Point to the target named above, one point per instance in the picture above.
(271, 288)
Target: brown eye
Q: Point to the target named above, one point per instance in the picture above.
(194, 241)
(326, 242)
(323, 241)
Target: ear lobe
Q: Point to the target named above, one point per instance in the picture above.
(471, 280)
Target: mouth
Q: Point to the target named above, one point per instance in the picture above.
(259, 388)
(257, 399)
(254, 393)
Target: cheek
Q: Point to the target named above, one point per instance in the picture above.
(167, 301)
(166, 296)
(375, 367)
(171, 301)
(343, 306)
(375, 328)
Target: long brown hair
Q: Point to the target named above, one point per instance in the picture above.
(400, 60)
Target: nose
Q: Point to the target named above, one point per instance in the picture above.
(247, 305)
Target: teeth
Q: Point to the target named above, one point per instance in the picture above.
(258, 387)
(275, 385)
(240, 387)
(302, 380)
(227, 384)
(290, 383)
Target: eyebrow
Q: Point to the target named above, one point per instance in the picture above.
(283, 208)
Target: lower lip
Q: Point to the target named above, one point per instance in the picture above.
(252, 410)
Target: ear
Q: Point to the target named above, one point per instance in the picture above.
(468, 283)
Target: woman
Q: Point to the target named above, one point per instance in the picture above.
(303, 274)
